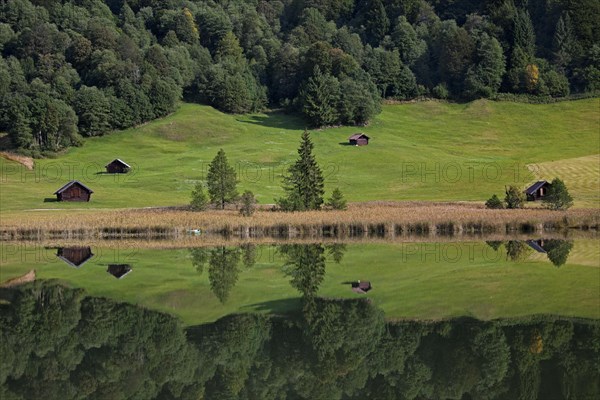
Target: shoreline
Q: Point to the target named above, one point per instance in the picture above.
(386, 220)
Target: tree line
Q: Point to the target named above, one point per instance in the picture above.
(77, 68)
(60, 343)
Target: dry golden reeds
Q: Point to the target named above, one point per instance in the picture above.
(375, 219)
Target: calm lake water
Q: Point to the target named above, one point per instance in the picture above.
(465, 320)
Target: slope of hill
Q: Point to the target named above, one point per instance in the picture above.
(418, 151)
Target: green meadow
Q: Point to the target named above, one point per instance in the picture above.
(410, 280)
(432, 151)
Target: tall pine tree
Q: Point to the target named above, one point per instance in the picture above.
(320, 96)
(304, 183)
(221, 181)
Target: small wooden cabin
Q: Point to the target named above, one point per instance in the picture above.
(117, 166)
(537, 191)
(359, 139)
(119, 270)
(75, 256)
(74, 191)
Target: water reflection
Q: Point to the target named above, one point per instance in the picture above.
(557, 250)
(75, 256)
(336, 349)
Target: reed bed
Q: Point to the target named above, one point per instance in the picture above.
(374, 219)
(187, 242)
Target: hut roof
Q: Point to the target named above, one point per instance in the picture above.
(536, 246)
(357, 136)
(533, 188)
(68, 185)
(118, 161)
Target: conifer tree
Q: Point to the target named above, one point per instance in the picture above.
(221, 181)
(199, 199)
(320, 96)
(337, 200)
(304, 183)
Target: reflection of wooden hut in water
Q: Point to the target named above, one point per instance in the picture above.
(75, 256)
(119, 270)
(537, 245)
(361, 287)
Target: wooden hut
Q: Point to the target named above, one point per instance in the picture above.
(117, 166)
(537, 191)
(74, 191)
(75, 256)
(359, 139)
(119, 270)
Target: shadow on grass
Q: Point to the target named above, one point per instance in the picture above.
(346, 144)
(276, 119)
(50, 200)
(282, 306)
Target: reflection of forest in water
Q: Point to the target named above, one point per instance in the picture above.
(305, 263)
(59, 344)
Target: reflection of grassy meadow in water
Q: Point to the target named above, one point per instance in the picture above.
(410, 280)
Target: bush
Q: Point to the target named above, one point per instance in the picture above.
(440, 91)
(515, 198)
(494, 202)
(248, 204)
(199, 199)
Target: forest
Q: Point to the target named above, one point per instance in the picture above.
(60, 343)
(72, 69)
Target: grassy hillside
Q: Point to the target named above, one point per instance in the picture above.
(410, 280)
(420, 151)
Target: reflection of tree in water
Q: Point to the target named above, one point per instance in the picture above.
(337, 251)
(223, 266)
(517, 250)
(494, 244)
(200, 256)
(223, 271)
(249, 254)
(305, 263)
(558, 250)
(57, 343)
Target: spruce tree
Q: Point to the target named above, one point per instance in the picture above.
(221, 181)
(337, 200)
(320, 96)
(304, 182)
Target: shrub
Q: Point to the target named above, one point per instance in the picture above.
(248, 204)
(199, 199)
(494, 202)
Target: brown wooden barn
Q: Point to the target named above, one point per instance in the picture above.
(359, 139)
(361, 287)
(74, 191)
(117, 166)
(75, 256)
(537, 191)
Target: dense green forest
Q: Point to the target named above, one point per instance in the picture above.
(77, 68)
(58, 343)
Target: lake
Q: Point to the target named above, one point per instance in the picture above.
(384, 320)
